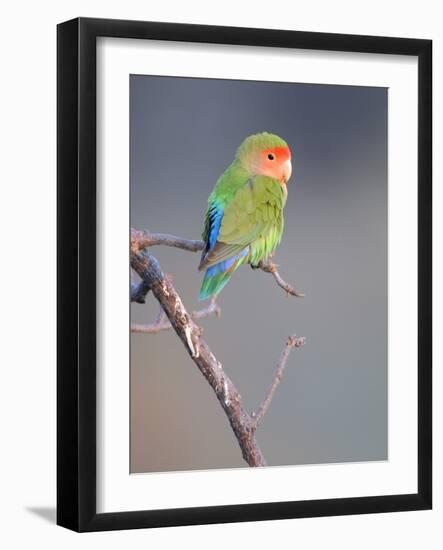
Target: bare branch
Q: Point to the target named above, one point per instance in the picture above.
(270, 267)
(173, 315)
(291, 343)
(162, 323)
(211, 308)
(144, 239)
(189, 333)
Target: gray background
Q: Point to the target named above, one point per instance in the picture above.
(332, 403)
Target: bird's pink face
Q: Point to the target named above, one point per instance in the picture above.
(275, 163)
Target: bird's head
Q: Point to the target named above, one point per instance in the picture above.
(266, 155)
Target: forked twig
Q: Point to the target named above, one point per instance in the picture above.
(173, 315)
(162, 323)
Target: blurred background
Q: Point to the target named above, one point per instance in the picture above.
(332, 403)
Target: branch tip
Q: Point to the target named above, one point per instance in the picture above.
(271, 267)
(296, 342)
(291, 343)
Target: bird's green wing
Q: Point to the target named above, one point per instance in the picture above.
(254, 216)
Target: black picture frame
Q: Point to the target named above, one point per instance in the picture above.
(76, 265)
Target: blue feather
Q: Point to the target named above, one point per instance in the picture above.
(226, 265)
(217, 276)
(215, 217)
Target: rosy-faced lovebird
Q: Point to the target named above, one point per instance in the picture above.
(244, 220)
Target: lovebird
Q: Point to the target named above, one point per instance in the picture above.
(244, 219)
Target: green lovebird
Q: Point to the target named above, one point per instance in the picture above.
(244, 220)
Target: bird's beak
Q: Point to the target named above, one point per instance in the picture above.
(287, 170)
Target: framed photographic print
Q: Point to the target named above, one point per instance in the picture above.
(244, 274)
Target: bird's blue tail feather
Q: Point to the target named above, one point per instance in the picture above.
(218, 275)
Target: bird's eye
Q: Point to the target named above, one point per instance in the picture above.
(271, 156)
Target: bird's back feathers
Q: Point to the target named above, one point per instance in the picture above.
(247, 229)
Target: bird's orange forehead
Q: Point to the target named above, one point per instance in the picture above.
(281, 153)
